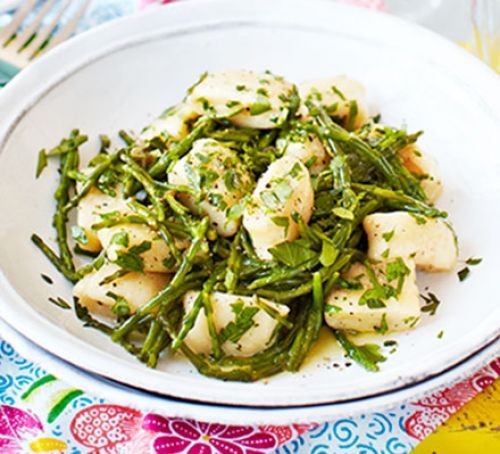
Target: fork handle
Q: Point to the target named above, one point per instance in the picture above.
(7, 72)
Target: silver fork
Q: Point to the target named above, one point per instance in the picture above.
(19, 47)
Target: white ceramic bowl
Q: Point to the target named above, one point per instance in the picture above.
(124, 73)
(150, 403)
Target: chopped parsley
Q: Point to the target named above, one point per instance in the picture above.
(273, 198)
(431, 303)
(120, 239)
(397, 270)
(217, 200)
(387, 236)
(473, 261)
(59, 302)
(367, 355)
(463, 274)
(282, 221)
(232, 103)
(332, 309)
(329, 253)
(374, 297)
(131, 260)
(243, 321)
(293, 253)
(260, 106)
(230, 180)
(236, 211)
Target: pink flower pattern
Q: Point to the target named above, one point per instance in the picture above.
(193, 437)
(16, 427)
(435, 409)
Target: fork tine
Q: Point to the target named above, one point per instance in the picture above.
(18, 18)
(68, 28)
(23, 37)
(44, 33)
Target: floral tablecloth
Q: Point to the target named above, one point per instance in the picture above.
(40, 413)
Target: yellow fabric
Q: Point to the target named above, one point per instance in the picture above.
(474, 429)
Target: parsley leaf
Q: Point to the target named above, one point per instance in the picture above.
(293, 253)
(367, 355)
(431, 303)
(463, 274)
(329, 253)
(120, 239)
(260, 106)
(243, 321)
(282, 221)
(332, 309)
(131, 260)
(387, 236)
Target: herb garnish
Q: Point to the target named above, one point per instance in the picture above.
(131, 260)
(367, 355)
(431, 303)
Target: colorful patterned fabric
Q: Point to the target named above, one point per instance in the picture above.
(40, 413)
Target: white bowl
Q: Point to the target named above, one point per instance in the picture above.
(126, 72)
(151, 403)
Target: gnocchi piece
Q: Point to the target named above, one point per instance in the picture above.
(171, 124)
(283, 190)
(100, 297)
(157, 259)
(308, 149)
(248, 99)
(89, 210)
(425, 167)
(229, 313)
(430, 242)
(343, 97)
(349, 309)
(219, 177)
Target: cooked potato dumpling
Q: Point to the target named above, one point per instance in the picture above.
(219, 177)
(136, 288)
(284, 189)
(341, 96)
(401, 312)
(227, 311)
(171, 124)
(425, 167)
(307, 148)
(248, 99)
(121, 238)
(89, 210)
(430, 242)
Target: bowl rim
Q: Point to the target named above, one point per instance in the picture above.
(180, 18)
(146, 402)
